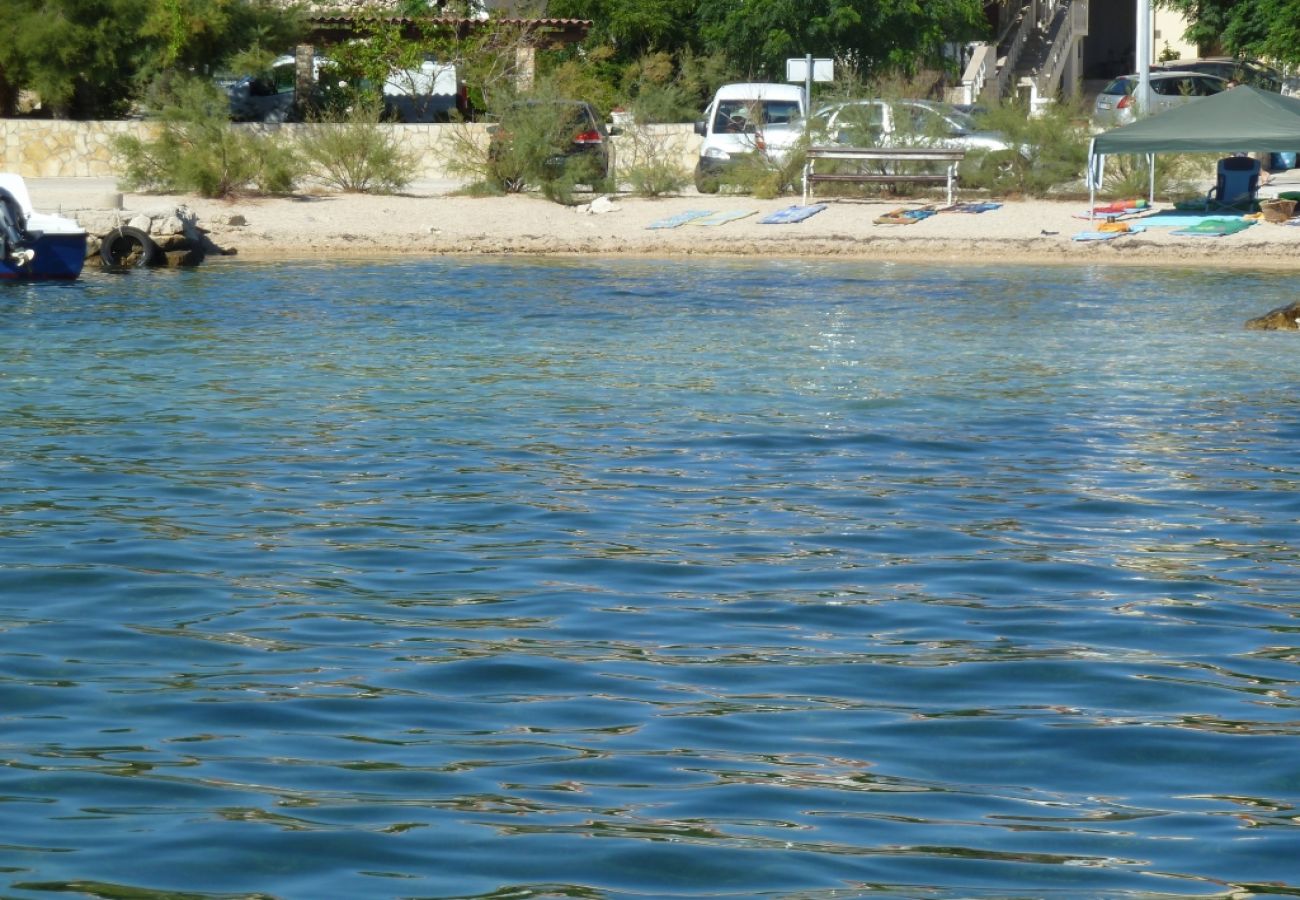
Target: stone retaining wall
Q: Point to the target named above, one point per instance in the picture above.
(46, 148)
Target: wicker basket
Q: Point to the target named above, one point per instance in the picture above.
(1277, 210)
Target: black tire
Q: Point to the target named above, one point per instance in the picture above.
(127, 248)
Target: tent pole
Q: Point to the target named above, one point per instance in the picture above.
(1092, 180)
(1151, 165)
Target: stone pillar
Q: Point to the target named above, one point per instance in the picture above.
(525, 66)
(304, 73)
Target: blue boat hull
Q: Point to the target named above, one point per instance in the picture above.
(58, 257)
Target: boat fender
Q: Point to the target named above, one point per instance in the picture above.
(127, 248)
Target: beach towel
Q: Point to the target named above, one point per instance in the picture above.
(1120, 207)
(1178, 219)
(1107, 235)
(1122, 214)
(680, 219)
(969, 207)
(722, 218)
(1215, 227)
(902, 216)
(791, 214)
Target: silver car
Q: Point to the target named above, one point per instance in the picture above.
(879, 122)
(1116, 104)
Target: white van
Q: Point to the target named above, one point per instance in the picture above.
(745, 119)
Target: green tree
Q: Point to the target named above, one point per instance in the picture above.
(757, 36)
(1268, 29)
(635, 27)
(90, 58)
(868, 35)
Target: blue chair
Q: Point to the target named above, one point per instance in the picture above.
(1236, 185)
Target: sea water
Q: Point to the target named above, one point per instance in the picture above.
(648, 579)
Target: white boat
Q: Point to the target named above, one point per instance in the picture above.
(36, 245)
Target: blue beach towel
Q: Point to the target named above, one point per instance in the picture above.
(681, 218)
(791, 214)
(1107, 235)
(722, 218)
(1178, 219)
(971, 207)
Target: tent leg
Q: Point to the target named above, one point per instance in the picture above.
(1151, 165)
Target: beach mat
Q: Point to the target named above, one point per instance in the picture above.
(791, 214)
(1215, 228)
(722, 218)
(1107, 235)
(1179, 219)
(903, 216)
(971, 207)
(681, 218)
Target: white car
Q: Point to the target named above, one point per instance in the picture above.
(1116, 104)
(744, 120)
(430, 93)
(879, 122)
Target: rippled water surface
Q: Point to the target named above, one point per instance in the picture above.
(624, 579)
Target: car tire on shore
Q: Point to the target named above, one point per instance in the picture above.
(127, 248)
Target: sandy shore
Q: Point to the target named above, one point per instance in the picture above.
(432, 221)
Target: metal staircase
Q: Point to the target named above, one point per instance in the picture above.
(1030, 57)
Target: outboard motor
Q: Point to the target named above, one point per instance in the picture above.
(13, 230)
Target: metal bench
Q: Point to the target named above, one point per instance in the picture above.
(882, 154)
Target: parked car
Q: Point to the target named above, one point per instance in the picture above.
(1242, 71)
(1116, 104)
(570, 134)
(430, 93)
(743, 121)
(879, 122)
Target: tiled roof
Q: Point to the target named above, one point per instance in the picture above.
(336, 18)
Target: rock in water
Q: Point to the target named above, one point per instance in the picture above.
(1281, 319)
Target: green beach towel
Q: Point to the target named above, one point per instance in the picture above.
(1215, 227)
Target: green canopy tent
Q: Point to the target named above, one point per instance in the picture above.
(1240, 120)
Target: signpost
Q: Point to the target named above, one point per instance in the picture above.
(808, 70)
(1143, 60)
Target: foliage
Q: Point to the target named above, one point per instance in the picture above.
(351, 151)
(1052, 149)
(89, 58)
(659, 90)
(530, 145)
(650, 162)
(1264, 29)
(1129, 175)
(198, 150)
(757, 36)
(870, 35)
(635, 27)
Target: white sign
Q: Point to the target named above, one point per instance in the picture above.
(797, 69)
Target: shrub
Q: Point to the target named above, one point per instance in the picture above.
(1052, 149)
(650, 163)
(197, 150)
(1128, 176)
(350, 150)
(531, 145)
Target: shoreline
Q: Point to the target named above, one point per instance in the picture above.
(435, 221)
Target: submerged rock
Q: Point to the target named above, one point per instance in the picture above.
(1284, 318)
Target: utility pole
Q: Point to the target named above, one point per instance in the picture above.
(1143, 58)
